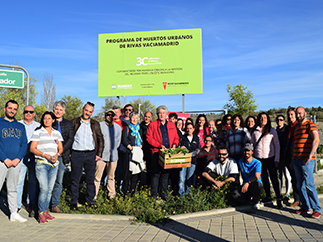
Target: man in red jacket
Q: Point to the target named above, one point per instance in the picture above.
(160, 135)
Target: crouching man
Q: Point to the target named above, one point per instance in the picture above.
(252, 187)
(220, 171)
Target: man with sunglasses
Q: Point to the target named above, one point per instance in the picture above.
(128, 109)
(207, 154)
(222, 170)
(112, 139)
(28, 163)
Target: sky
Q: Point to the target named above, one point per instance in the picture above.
(274, 48)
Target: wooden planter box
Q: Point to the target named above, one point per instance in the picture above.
(175, 161)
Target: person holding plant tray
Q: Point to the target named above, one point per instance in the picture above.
(191, 142)
(160, 135)
(46, 144)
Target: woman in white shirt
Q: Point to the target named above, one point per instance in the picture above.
(46, 144)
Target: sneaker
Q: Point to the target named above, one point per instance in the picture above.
(303, 210)
(42, 219)
(56, 209)
(17, 217)
(286, 198)
(256, 206)
(279, 204)
(316, 214)
(48, 216)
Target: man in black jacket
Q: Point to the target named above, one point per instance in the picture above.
(65, 127)
(87, 149)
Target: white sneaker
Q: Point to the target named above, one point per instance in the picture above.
(17, 217)
(256, 206)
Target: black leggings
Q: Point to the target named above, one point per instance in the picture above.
(268, 165)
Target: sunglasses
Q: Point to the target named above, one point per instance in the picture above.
(28, 111)
(208, 140)
(128, 109)
(280, 119)
(223, 154)
(110, 114)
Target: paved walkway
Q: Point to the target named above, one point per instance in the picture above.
(266, 224)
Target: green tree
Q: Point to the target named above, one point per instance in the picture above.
(145, 106)
(74, 107)
(241, 100)
(19, 95)
(40, 110)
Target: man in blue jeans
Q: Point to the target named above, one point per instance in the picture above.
(28, 162)
(306, 141)
(65, 127)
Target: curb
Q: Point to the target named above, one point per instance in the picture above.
(210, 212)
(94, 217)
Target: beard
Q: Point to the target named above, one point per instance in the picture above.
(85, 117)
(10, 116)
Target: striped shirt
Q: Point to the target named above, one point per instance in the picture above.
(46, 143)
(303, 140)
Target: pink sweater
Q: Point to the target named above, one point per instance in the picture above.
(268, 145)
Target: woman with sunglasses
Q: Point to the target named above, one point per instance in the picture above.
(282, 169)
(46, 144)
(227, 121)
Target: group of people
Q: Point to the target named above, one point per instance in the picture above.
(121, 148)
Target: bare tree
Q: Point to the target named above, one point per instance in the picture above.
(49, 92)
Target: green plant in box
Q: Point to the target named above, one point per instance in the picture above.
(175, 151)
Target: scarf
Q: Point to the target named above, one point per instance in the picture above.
(135, 132)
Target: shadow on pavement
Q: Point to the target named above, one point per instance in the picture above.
(187, 233)
(293, 221)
